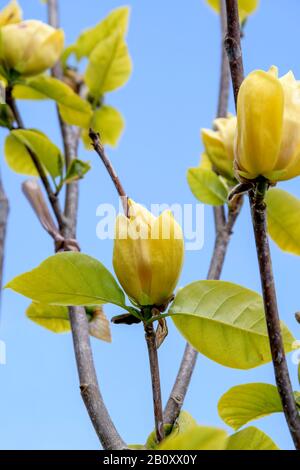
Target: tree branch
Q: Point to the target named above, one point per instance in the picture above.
(223, 229)
(104, 427)
(284, 386)
(258, 212)
(155, 381)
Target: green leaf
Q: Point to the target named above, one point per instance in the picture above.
(248, 402)
(283, 212)
(251, 439)
(184, 422)
(207, 186)
(54, 318)
(226, 323)
(18, 158)
(76, 170)
(109, 66)
(73, 109)
(24, 92)
(110, 125)
(69, 279)
(117, 20)
(196, 438)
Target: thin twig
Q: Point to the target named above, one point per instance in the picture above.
(233, 46)
(284, 386)
(53, 199)
(223, 230)
(155, 381)
(258, 212)
(99, 149)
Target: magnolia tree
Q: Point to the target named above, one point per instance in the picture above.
(244, 156)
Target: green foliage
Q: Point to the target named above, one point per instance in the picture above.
(184, 422)
(109, 65)
(225, 322)
(196, 438)
(283, 212)
(74, 110)
(19, 160)
(250, 439)
(109, 123)
(206, 186)
(53, 318)
(77, 169)
(248, 402)
(69, 279)
(117, 20)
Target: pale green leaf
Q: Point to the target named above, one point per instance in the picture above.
(207, 186)
(117, 20)
(248, 402)
(251, 439)
(19, 160)
(24, 92)
(109, 123)
(184, 422)
(74, 110)
(197, 438)
(109, 65)
(69, 279)
(283, 212)
(54, 318)
(225, 322)
(76, 170)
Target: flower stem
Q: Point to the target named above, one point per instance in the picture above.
(155, 380)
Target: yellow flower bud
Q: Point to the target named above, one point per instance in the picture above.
(30, 47)
(246, 7)
(219, 145)
(148, 255)
(268, 130)
(10, 14)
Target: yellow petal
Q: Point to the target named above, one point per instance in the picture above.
(11, 13)
(288, 158)
(167, 254)
(260, 124)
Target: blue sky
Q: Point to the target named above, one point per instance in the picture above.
(171, 95)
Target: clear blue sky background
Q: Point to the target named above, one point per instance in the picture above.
(171, 95)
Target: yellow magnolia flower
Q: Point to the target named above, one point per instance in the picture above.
(246, 7)
(30, 47)
(148, 255)
(219, 145)
(11, 14)
(268, 130)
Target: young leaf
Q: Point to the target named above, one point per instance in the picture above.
(283, 212)
(74, 110)
(207, 186)
(109, 65)
(251, 439)
(117, 20)
(184, 422)
(226, 323)
(54, 318)
(69, 279)
(76, 170)
(18, 158)
(196, 438)
(110, 125)
(248, 402)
